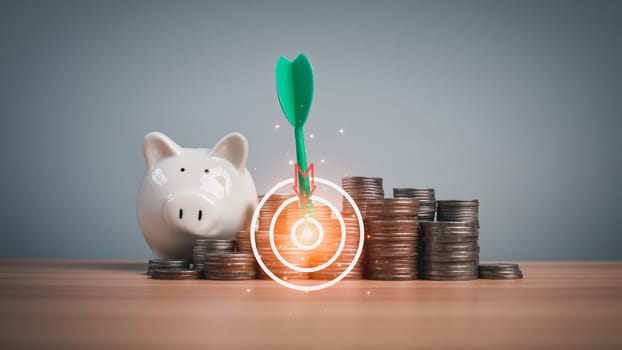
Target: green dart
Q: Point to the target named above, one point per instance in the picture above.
(294, 87)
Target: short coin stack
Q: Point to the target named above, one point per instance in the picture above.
(329, 246)
(243, 241)
(361, 189)
(230, 266)
(450, 250)
(175, 274)
(500, 271)
(392, 238)
(203, 247)
(457, 210)
(166, 264)
(426, 198)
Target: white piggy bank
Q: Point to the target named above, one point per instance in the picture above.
(193, 193)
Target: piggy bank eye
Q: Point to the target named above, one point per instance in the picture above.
(182, 169)
(207, 171)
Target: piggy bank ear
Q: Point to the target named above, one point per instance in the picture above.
(158, 146)
(234, 148)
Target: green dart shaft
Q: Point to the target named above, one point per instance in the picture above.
(301, 159)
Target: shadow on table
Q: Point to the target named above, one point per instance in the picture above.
(117, 266)
(138, 267)
(102, 265)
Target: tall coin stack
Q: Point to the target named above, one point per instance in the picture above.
(284, 244)
(202, 247)
(269, 208)
(450, 250)
(459, 211)
(391, 246)
(329, 246)
(426, 197)
(361, 189)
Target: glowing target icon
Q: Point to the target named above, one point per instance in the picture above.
(313, 234)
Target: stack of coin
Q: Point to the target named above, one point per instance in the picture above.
(230, 266)
(391, 246)
(450, 250)
(203, 247)
(361, 189)
(175, 274)
(457, 210)
(284, 224)
(243, 241)
(164, 264)
(269, 208)
(329, 246)
(426, 197)
(288, 251)
(500, 271)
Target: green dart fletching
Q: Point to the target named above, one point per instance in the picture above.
(294, 87)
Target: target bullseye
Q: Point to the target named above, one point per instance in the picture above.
(307, 228)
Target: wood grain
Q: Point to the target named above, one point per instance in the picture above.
(53, 304)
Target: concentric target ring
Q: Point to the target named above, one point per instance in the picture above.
(327, 283)
(342, 241)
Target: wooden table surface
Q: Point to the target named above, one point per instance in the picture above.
(58, 304)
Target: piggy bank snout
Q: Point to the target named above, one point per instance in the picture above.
(188, 211)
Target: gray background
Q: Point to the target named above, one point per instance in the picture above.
(515, 103)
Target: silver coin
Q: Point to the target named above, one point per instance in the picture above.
(501, 276)
(499, 266)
